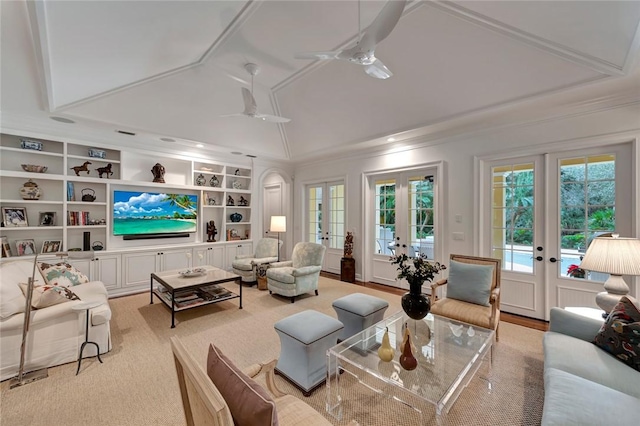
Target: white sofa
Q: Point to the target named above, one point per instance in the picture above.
(56, 332)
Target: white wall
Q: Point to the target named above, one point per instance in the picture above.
(459, 154)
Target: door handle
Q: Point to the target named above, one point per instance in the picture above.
(553, 260)
(539, 258)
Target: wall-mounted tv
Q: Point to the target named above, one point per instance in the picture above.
(138, 214)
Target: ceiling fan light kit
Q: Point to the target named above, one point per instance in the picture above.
(363, 53)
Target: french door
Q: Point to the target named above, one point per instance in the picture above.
(326, 221)
(541, 212)
(403, 211)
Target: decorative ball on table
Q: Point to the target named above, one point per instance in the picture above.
(416, 270)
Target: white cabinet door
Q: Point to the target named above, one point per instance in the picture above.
(175, 259)
(216, 256)
(233, 250)
(83, 265)
(106, 268)
(138, 267)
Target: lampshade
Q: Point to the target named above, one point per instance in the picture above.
(615, 256)
(618, 256)
(278, 224)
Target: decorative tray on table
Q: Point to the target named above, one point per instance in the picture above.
(190, 273)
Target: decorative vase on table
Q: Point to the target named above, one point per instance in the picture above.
(415, 304)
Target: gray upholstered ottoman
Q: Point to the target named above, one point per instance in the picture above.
(305, 338)
(358, 311)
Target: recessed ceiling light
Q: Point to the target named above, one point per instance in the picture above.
(391, 139)
(236, 153)
(124, 132)
(200, 145)
(167, 139)
(63, 120)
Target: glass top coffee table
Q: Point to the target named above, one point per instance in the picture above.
(448, 352)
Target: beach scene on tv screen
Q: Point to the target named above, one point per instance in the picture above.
(136, 213)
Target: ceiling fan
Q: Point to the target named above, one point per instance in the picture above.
(250, 106)
(363, 53)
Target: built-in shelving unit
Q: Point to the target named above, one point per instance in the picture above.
(78, 183)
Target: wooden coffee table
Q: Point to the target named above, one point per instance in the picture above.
(180, 291)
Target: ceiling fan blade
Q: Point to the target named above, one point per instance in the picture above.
(378, 70)
(317, 55)
(272, 118)
(238, 114)
(382, 26)
(250, 106)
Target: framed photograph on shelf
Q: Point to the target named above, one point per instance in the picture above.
(51, 246)
(6, 248)
(71, 192)
(14, 216)
(47, 218)
(25, 247)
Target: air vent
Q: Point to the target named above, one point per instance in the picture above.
(125, 132)
(63, 120)
(167, 140)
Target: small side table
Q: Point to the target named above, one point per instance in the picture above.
(261, 275)
(348, 270)
(86, 306)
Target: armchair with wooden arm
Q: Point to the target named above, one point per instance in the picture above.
(473, 291)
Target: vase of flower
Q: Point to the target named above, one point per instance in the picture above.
(415, 304)
(416, 270)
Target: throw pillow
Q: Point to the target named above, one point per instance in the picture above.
(45, 295)
(62, 274)
(248, 402)
(11, 298)
(620, 333)
(470, 282)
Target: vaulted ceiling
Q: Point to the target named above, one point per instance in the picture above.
(170, 69)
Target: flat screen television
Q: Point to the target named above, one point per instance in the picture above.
(138, 214)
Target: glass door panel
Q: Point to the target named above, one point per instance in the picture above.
(385, 216)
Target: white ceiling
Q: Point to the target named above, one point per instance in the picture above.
(171, 68)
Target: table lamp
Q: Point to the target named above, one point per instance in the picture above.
(617, 257)
(278, 225)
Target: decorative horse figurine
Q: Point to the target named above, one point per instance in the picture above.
(106, 169)
(82, 168)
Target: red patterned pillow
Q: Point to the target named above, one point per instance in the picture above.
(620, 333)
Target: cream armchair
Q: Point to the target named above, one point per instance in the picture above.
(298, 275)
(473, 291)
(266, 252)
(204, 404)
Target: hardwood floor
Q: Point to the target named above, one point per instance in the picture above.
(511, 318)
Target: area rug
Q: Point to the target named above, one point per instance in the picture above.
(137, 385)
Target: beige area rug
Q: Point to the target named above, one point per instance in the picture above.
(137, 383)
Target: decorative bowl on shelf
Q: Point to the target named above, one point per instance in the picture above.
(235, 217)
(34, 168)
(189, 273)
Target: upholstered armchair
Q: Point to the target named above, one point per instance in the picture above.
(266, 252)
(298, 275)
(473, 291)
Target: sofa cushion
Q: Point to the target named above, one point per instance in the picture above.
(588, 361)
(284, 274)
(248, 402)
(62, 274)
(243, 264)
(620, 333)
(573, 400)
(47, 295)
(470, 282)
(11, 297)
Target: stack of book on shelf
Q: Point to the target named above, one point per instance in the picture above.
(77, 218)
(214, 292)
